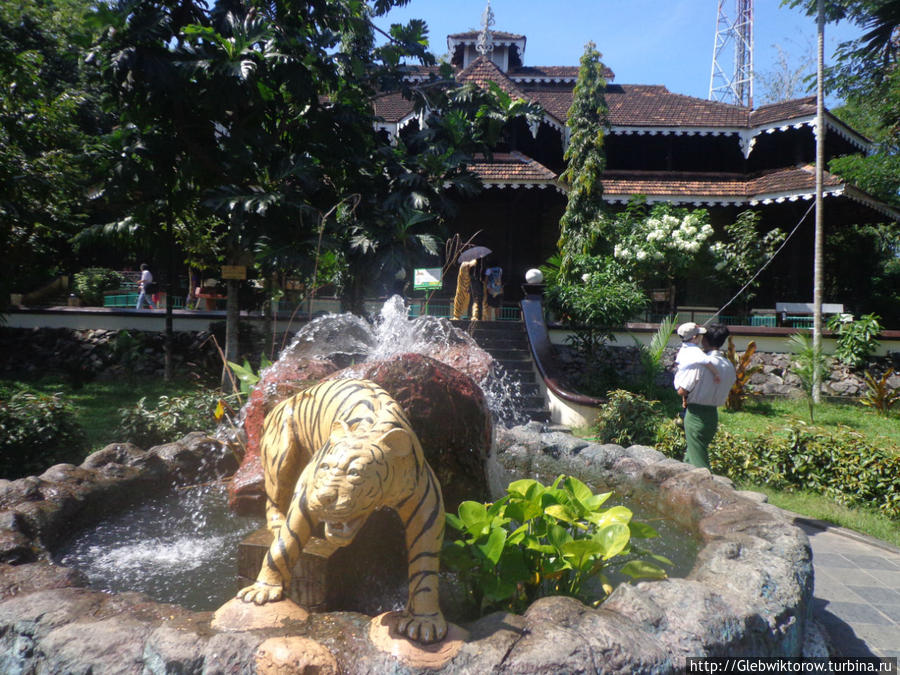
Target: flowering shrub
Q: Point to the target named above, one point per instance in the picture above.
(662, 244)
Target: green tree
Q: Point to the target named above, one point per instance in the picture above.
(580, 226)
(866, 76)
(47, 121)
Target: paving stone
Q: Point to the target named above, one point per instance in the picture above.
(876, 595)
(831, 560)
(872, 562)
(857, 613)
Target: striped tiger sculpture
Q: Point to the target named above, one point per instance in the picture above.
(333, 454)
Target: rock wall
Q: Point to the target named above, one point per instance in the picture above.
(748, 594)
(774, 379)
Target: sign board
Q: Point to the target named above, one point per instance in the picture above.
(234, 271)
(426, 278)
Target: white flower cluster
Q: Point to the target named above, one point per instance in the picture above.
(661, 236)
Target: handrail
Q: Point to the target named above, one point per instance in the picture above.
(542, 353)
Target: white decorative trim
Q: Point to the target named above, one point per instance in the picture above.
(856, 195)
(543, 79)
(762, 199)
(524, 185)
(746, 136)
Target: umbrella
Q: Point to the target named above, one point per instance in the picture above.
(473, 253)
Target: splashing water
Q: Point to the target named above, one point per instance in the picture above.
(347, 339)
(176, 548)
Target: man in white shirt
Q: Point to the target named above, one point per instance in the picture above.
(704, 396)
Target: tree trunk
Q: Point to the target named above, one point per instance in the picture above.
(170, 294)
(232, 327)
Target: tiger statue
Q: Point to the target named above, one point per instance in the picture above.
(333, 454)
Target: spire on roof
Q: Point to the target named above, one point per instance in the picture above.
(485, 44)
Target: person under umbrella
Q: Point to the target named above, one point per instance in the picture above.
(469, 283)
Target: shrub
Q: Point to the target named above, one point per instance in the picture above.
(856, 339)
(170, 419)
(37, 431)
(538, 541)
(628, 419)
(840, 464)
(90, 283)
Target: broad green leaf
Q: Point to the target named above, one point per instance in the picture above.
(581, 492)
(561, 512)
(497, 589)
(616, 514)
(558, 536)
(642, 530)
(474, 516)
(641, 569)
(512, 566)
(493, 547)
(596, 501)
(613, 538)
(581, 552)
(521, 487)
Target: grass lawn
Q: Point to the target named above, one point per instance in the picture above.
(97, 404)
(769, 416)
(822, 508)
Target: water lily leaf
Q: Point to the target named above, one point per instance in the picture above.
(642, 569)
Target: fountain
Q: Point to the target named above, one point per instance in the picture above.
(748, 592)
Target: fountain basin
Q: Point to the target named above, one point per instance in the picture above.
(749, 592)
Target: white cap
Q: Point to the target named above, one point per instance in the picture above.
(690, 330)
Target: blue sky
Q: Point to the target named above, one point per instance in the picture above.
(667, 42)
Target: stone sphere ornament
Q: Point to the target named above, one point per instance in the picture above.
(534, 276)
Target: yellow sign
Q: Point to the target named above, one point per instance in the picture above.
(234, 271)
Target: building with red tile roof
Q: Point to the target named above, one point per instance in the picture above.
(662, 145)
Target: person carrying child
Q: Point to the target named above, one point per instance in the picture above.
(691, 355)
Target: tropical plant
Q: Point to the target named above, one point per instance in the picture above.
(89, 284)
(808, 364)
(36, 431)
(744, 370)
(627, 419)
(245, 374)
(879, 395)
(855, 339)
(545, 540)
(170, 418)
(651, 355)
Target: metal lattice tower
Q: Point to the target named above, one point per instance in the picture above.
(731, 80)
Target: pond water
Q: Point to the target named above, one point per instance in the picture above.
(179, 547)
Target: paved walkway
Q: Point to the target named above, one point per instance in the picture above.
(857, 590)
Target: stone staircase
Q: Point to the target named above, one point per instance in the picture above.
(507, 342)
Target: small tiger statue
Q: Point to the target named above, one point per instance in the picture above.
(333, 454)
